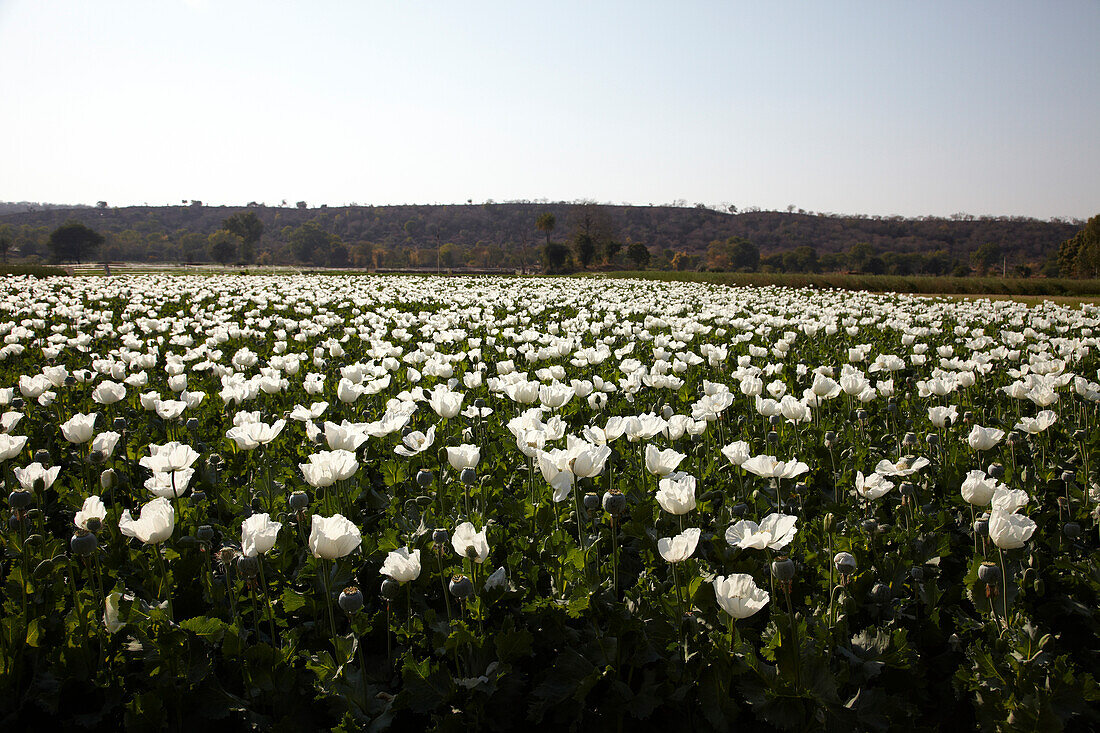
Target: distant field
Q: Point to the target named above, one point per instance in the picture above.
(1017, 288)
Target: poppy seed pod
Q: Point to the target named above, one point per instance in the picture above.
(774, 419)
(205, 533)
(248, 567)
(42, 456)
(830, 438)
(118, 424)
(1072, 530)
(773, 438)
(880, 593)
(1069, 476)
(738, 510)
(916, 573)
(468, 476)
(389, 589)
(891, 406)
(591, 502)
(996, 470)
(198, 495)
(192, 424)
(862, 415)
(350, 600)
(20, 499)
(870, 526)
(83, 542)
(440, 537)
(968, 416)
(989, 573)
(479, 403)
(424, 478)
(909, 440)
(614, 502)
(932, 439)
(93, 524)
(299, 500)
(783, 568)
(461, 587)
(17, 403)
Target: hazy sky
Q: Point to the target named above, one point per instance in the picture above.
(857, 107)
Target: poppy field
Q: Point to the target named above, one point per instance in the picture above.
(414, 503)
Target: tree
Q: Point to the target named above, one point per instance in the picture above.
(987, 256)
(223, 246)
(301, 205)
(584, 248)
(736, 253)
(5, 242)
(858, 254)
(1079, 256)
(310, 243)
(638, 253)
(74, 241)
(545, 224)
(555, 256)
(249, 228)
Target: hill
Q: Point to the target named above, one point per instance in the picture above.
(505, 233)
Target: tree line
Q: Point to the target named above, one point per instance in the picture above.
(558, 238)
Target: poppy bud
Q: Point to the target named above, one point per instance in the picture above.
(1039, 587)
(916, 573)
(424, 478)
(880, 593)
(350, 600)
(989, 573)
(845, 563)
(299, 500)
(1029, 576)
(13, 522)
(20, 499)
(830, 438)
(461, 587)
(83, 542)
(830, 522)
(389, 589)
(968, 416)
(870, 526)
(1078, 434)
(468, 476)
(1069, 476)
(248, 567)
(783, 568)
(614, 502)
(739, 509)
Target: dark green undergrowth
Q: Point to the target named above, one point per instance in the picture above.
(881, 283)
(33, 270)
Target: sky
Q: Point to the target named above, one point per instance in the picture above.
(890, 108)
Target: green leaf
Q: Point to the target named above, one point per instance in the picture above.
(292, 600)
(211, 629)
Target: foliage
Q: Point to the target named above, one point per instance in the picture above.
(224, 246)
(74, 241)
(1079, 256)
(249, 228)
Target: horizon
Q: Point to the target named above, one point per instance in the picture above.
(717, 209)
(986, 109)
